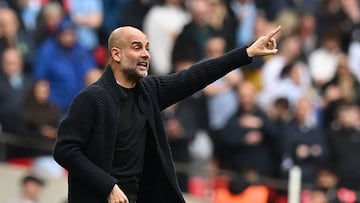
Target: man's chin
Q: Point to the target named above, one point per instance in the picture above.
(143, 74)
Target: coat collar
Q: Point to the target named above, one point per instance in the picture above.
(116, 92)
(109, 81)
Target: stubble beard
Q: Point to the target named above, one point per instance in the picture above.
(132, 73)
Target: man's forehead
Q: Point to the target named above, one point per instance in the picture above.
(138, 38)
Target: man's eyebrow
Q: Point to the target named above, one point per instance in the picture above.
(139, 43)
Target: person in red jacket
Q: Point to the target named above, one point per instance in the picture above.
(112, 140)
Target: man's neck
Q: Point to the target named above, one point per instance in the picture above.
(122, 80)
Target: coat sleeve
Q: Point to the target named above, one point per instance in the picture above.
(74, 132)
(175, 87)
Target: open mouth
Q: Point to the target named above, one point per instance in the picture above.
(143, 64)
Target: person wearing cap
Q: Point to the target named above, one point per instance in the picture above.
(63, 62)
(112, 141)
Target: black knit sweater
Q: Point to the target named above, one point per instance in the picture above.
(86, 138)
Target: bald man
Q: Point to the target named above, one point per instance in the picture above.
(112, 141)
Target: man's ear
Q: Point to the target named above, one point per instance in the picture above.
(115, 54)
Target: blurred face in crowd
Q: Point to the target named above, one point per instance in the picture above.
(331, 43)
(67, 38)
(349, 116)
(130, 48)
(9, 23)
(307, 24)
(291, 47)
(261, 26)
(12, 62)
(42, 91)
(52, 15)
(326, 179)
(200, 11)
(343, 66)
(303, 109)
(215, 47)
(32, 190)
(295, 73)
(247, 95)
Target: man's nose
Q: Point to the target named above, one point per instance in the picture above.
(145, 54)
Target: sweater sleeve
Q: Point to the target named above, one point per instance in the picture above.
(70, 146)
(175, 87)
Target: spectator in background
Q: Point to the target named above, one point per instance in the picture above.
(327, 181)
(340, 15)
(343, 86)
(246, 13)
(270, 73)
(196, 32)
(162, 24)
(31, 188)
(326, 56)
(305, 144)
(221, 95)
(247, 137)
(41, 117)
(295, 82)
(344, 139)
(28, 11)
(48, 21)
(290, 20)
(308, 34)
(280, 114)
(14, 85)
(11, 35)
(88, 17)
(224, 21)
(64, 63)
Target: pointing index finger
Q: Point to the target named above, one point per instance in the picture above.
(274, 32)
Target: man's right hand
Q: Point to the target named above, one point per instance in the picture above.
(117, 196)
(264, 45)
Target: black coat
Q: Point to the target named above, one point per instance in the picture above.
(86, 139)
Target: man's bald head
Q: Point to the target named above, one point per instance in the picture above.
(121, 35)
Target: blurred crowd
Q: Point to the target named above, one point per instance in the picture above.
(300, 107)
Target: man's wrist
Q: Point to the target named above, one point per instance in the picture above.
(249, 52)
